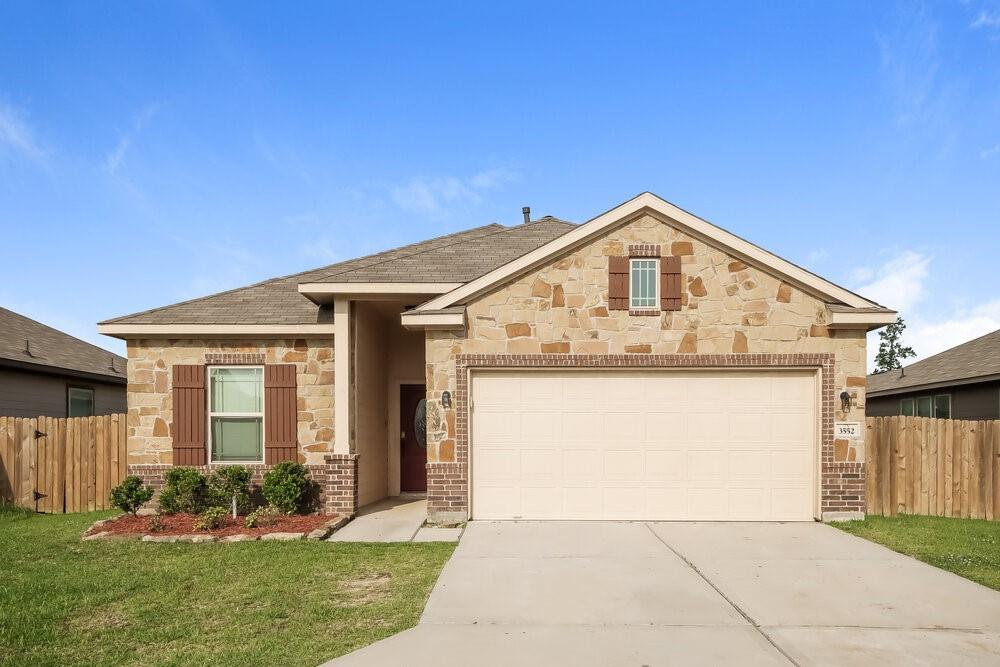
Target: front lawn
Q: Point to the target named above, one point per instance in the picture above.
(63, 601)
(968, 547)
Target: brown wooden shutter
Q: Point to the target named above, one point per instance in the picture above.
(670, 283)
(189, 415)
(617, 283)
(280, 414)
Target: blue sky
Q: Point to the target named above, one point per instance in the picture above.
(154, 152)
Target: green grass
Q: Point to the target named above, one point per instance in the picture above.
(968, 547)
(63, 601)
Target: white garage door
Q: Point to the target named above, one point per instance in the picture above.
(649, 445)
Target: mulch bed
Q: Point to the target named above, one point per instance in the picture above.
(183, 524)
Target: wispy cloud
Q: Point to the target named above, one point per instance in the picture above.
(990, 152)
(986, 21)
(17, 138)
(899, 283)
(116, 156)
(434, 196)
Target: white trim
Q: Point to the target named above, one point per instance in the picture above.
(342, 376)
(209, 414)
(861, 320)
(656, 283)
(414, 319)
(377, 288)
(174, 330)
(687, 222)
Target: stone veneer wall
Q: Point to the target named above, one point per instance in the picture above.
(150, 394)
(150, 406)
(728, 309)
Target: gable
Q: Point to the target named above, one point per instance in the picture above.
(654, 207)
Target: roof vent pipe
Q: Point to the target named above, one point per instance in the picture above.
(526, 210)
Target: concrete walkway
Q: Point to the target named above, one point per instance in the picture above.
(602, 593)
(398, 519)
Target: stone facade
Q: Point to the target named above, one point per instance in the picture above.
(728, 309)
(150, 395)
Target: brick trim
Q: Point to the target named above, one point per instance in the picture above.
(842, 484)
(234, 358)
(337, 480)
(644, 313)
(644, 250)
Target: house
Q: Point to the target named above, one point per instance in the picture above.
(47, 373)
(646, 364)
(960, 383)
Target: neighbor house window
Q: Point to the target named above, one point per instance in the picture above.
(79, 402)
(236, 414)
(938, 406)
(644, 284)
(942, 406)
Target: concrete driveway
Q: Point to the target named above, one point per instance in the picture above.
(610, 593)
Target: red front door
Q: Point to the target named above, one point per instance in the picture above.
(412, 446)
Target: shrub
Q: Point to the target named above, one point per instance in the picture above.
(212, 518)
(156, 524)
(184, 490)
(262, 516)
(285, 486)
(225, 483)
(130, 495)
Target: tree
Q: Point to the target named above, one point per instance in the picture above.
(891, 351)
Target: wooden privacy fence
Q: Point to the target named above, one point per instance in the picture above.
(936, 467)
(62, 465)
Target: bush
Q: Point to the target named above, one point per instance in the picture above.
(130, 495)
(184, 490)
(285, 486)
(225, 483)
(156, 524)
(212, 518)
(262, 516)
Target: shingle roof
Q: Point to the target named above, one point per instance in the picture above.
(458, 257)
(26, 341)
(979, 358)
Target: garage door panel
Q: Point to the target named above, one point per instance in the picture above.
(583, 426)
(579, 464)
(540, 464)
(705, 426)
(645, 445)
(666, 465)
(670, 426)
(623, 465)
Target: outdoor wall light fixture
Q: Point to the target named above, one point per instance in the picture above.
(446, 399)
(845, 401)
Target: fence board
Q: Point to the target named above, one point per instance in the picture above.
(71, 468)
(937, 467)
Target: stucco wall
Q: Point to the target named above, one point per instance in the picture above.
(370, 403)
(561, 308)
(150, 397)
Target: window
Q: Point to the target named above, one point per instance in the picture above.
(236, 414)
(942, 406)
(938, 406)
(644, 283)
(79, 402)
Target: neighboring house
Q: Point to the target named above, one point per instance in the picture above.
(47, 373)
(960, 383)
(644, 365)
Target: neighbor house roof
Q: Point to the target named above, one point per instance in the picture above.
(975, 361)
(453, 258)
(29, 344)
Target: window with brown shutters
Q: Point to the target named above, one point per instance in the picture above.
(618, 278)
(670, 283)
(188, 426)
(280, 414)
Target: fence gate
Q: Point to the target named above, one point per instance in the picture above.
(58, 465)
